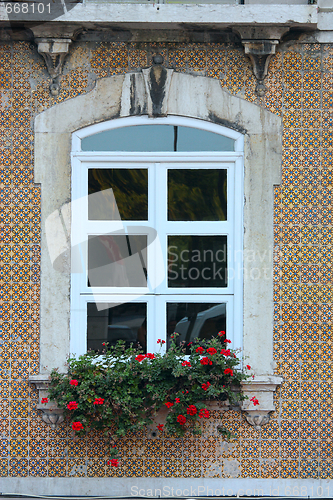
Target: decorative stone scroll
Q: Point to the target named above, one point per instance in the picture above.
(51, 414)
(53, 44)
(262, 388)
(260, 44)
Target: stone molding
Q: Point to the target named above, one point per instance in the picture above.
(196, 97)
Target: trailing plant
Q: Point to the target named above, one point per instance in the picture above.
(123, 388)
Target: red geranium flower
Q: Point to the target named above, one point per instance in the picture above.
(191, 410)
(150, 355)
(113, 462)
(248, 367)
(204, 413)
(181, 419)
(168, 404)
(205, 386)
(44, 401)
(73, 382)
(140, 357)
(161, 341)
(225, 352)
(99, 401)
(227, 341)
(254, 401)
(200, 350)
(72, 405)
(206, 361)
(177, 400)
(221, 333)
(211, 350)
(160, 427)
(228, 371)
(77, 426)
(186, 363)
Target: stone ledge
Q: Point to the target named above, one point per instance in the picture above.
(261, 387)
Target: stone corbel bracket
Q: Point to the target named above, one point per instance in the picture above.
(262, 388)
(53, 44)
(51, 414)
(260, 44)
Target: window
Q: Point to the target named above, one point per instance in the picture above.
(156, 232)
(209, 106)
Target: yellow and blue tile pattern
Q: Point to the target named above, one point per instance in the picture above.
(297, 442)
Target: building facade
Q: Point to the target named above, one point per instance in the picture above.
(260, 75)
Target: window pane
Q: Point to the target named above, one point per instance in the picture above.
(194, 139)
(134, 138)
(193, 320)
(197, 261)
(117, 260)
(128, 199)
(197, 194)
(109, 323)
(157, 138)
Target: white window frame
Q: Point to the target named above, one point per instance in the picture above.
(156, 301)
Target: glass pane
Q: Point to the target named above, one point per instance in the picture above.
(117, 260)
(197, 261)
(112, 322)
(134, 138)
(118, 194)
(197, 194)
(194, 139)
(157, 138)
(193, 320)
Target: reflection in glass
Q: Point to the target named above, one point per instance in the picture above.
(197, 194)
(157, 138)
(193, 320)
(197, 261)
(112, 322)
(130, 194)
(117, 260)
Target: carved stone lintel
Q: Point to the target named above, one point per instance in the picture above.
(262, 388)
(53, 44)
(51, 414)
(260, 44)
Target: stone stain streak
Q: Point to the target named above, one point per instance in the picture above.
(158, 76)
(135, 107)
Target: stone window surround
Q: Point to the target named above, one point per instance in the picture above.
(184, 95)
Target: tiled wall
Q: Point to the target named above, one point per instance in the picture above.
(297, 441)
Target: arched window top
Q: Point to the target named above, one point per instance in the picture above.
(142, 134)
(153, 138)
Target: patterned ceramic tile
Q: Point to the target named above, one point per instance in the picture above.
(300, 89)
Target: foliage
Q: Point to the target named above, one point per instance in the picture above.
(124, 388)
